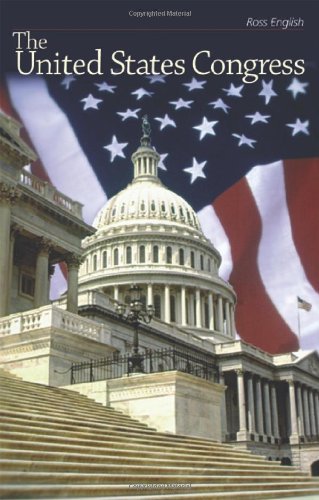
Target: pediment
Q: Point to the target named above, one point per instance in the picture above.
(310, 363)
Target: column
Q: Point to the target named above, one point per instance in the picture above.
(251, 404)
(167, 309)
(198, 309)
(13, 233)
(317, 411)
(232, 321)
(220, 314)
(306, 411)
(267, 409)
(301, 425)
(242, 433)
(73, 264)
(293, 413)
(41, 291)
(227, 314)
(259, 408)
(312, 414)
(274, 410)
(149, 294)
(8, 195)
(116, 292)
(183, 306)
(211, 311)
(223, 408)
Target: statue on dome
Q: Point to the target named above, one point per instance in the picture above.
(146, 126)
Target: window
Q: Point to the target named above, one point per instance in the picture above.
(142, 254)
(153, 207)
(116, 257)
(122, 208)
(202, 262)
(157, 306)
(192, 259)
(142, 206)
(181, 257)
(128, 255)
(172, 309)
(206, 315)
(163, 208)
(209, 265)
(104, 259)
(173, 209)
(168, 255)
(181, 213)
(94, 262)
(27, 285)
(155, 253)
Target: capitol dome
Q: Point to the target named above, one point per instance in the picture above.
(150, 236)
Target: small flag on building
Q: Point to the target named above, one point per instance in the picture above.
(302, 304)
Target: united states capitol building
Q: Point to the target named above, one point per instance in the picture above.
(146, 325)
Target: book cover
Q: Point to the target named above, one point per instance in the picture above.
(231, 93)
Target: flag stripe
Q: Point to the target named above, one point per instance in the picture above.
(302, 189)
(238, 212)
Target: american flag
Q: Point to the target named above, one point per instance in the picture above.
(244, 156)
(303, 304)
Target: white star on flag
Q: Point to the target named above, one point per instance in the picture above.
(156, 78)
(165, 122)
(66, 82)
(141, 93)
(220, 104)
(196, 170)
(161, 162)
(299, 127)
(205, 128)
(195, 84)
(105, 87)
(244, 140)
(267, 91)
(297, 87)
(129, 113)
(181, 103)
(234, 91)
(116, 148)
(258, 117)
(91, 102)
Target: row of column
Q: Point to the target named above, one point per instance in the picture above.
(258, 411)
(8, 196)
(304, 411)
(220, 310)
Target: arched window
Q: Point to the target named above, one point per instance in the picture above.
(202, 262)
(142, 206)
(209, 265)
(104, 258)
(168, 255)
(172, 309)
(116, 257)
(173, 212)
(163, 208)
(181, 257)
(153, 207)
(192, 259)
(181, 213)
(128, 255)
(155, 253)
(94, 262)
(142, 254)
(157, 306)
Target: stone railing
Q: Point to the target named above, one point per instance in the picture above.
(239, 346)
(51, 194)
(53, 317)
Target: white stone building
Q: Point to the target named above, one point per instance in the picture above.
(148, 236)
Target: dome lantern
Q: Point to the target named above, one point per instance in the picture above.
(145, 159)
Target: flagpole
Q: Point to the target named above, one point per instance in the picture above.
(298, 314)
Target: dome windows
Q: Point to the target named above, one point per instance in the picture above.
(168, 255)
(155, 254)
(128, 255)
(163, 206)
(153, 206)
(104, 259)
(142, 254)
(192, 256)
(94, 262)
(116, 257)
(181, 257)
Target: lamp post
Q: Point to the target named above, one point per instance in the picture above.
(135, 313)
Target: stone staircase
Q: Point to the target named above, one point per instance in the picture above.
(59, 444)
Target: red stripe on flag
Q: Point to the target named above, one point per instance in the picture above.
(258, 321)
(302, 191)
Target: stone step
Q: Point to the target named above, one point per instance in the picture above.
(120, 448)
(12, 418)
(86, 478)
(41, 465)
(71, 412)
(58, 491)
(84, 456)
(142, 454)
